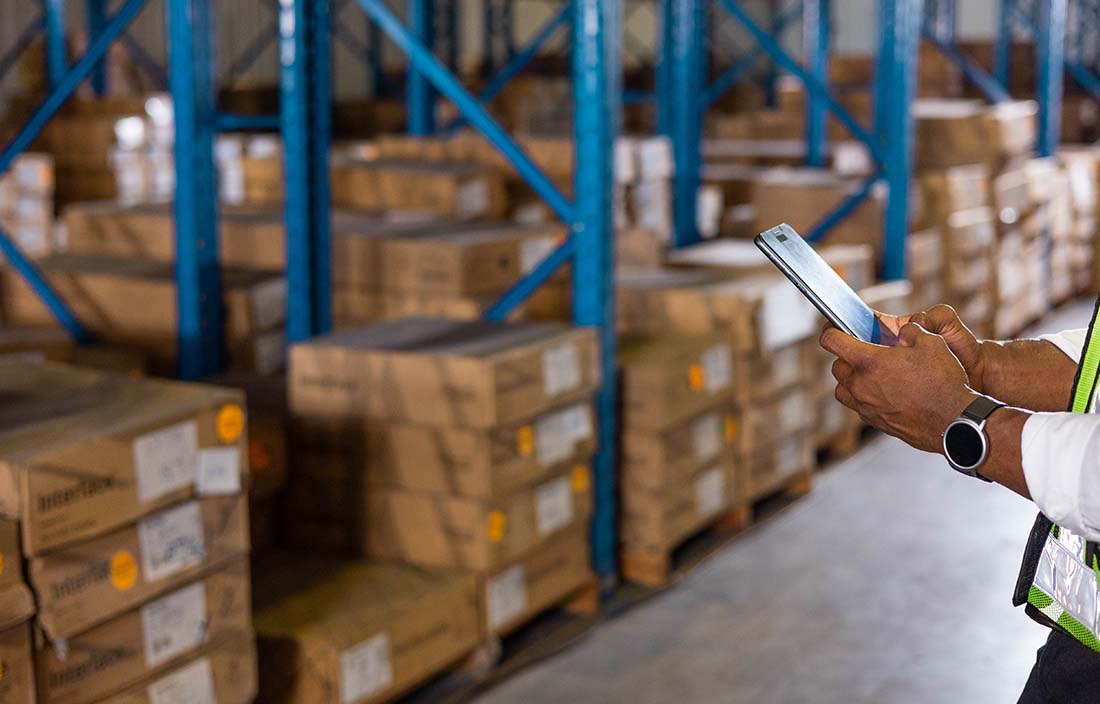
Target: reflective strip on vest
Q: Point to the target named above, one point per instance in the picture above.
(1065, 587)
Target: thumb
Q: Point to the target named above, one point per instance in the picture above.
(912, 334)
(846, 347)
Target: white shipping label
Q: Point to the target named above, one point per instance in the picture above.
(171, 541)
(553, 505)
(707, 435)
(191, 684)
(219, 471)
(710, 492)
(792, 412)
(165, 460)
(787, 367)
(506, 597)
(473, 198)
(785, 317)
(717, 368)
(561, 369)
(533, 251)
(366, 669)
(174, 625)
(269, 304)
(557, 434)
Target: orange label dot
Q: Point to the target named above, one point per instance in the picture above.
(124, 570)
(525, 440)
(580, 478)
(696, 377)
(229, 423)
(496, 527)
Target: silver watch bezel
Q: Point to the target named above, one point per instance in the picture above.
(979, 428)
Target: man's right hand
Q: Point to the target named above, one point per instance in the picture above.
(942, 320)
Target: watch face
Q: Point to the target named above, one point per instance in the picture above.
(964, 445)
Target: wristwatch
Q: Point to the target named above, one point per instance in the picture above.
(965, 443)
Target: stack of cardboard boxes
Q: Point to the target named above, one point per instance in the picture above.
(134, 528)
(27, 203)
(454, 445)
(677, 473)
(1082, 166)
(16, 611)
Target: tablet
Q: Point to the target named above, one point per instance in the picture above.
(817, 281)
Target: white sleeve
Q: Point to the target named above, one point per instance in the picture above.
(1071, 342)
(1061, 458)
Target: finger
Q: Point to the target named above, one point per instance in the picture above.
(842, 371)
(910, 335)
(845, 397)
(855, 352)
(937, 319)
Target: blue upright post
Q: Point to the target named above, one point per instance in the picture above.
(684, 113)
(305, 84)
(57, 55)
(597, 81)
(451, 30)
(95, 16)
(815, 38)
(771, 75)
(198, 275)
(1002, 47)
(1050, 45)
(900, 22)
(374, 60)
(420, 99)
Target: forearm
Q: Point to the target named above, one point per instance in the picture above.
(1029, 374)
(1005, 463)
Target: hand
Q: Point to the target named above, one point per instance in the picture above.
(944, 321)
(890, 326)
(912, 391)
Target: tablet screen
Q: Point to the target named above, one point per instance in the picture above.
(820, 283)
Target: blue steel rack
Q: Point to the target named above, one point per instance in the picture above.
(685, 92)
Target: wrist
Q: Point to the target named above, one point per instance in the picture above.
(984, 361)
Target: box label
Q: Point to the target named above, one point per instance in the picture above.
(366, 669)
(706, 433)
(269, 304)
(787, 367)
(533, 251)
(561, 369)
(171, 541)
(219, 471)
(472, 198)
(174, 625)
(165, 460)
(792, 412)
(556, 435)
(506, 597)
(191, 684)
(553, 505)
(710, 492)
(717, 368)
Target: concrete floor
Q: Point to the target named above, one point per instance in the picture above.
(890, 584)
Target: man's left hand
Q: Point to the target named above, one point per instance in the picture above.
(912, 391)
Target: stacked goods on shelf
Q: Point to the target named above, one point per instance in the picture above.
(924, 257)
(56, 345)
(1082, 166)
(132, 302)
(454, 445)
(677, 472)
(16, 611)
(761, 316)
(348, 632)
(128, 495)
(27, 203)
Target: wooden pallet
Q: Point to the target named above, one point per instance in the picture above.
(840, 445)
(658, 568)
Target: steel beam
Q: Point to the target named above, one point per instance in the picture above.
(305, 85)
(522, 289)
(1002, 46)
(1050, 38)
(815, 41)
(683, 111)
(900, 25)
(21, 44)
(420, 98)
(145, 61)
(771, 75)
(597, 81)
(57, 53)
(199, 302)
(95, 17)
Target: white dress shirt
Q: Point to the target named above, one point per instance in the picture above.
(1061, 458)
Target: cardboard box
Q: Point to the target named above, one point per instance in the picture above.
(948, 190)
(764, 424)
(463, 191)
(757, 378)
(1011, 194)
(1012, 127)
(759, 313)
(225, 674)
(449, 531)
(667, 379)
(854, 263)
(147, 641)
(950, 133)
(655, 460)
(361, 633)
(265, 402)
(768, 468)
(659, 519)
(969, 233)
(465, 260)
(17, 684)
(519, 591)
(924, 254)
(127, 446)
(395, 306)
(91, 582)
(440, 372)
(478, 464)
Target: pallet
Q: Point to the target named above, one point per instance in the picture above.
(841, 445)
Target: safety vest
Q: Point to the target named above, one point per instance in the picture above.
(1060, 577)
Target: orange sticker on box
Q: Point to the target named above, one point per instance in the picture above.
(495, 529)
(124, 570)
(580, 478)
(696, 377)
(525, 440)
(229, 423)
(730, 428)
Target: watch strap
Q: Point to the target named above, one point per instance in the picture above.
(981, 408)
